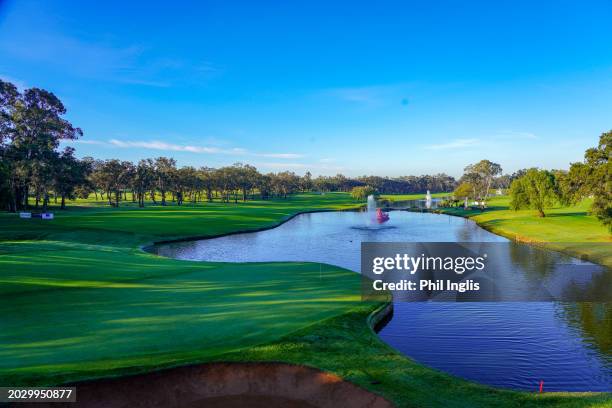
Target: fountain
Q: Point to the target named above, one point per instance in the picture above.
(376, 215)
(428, 200)
(371, 205)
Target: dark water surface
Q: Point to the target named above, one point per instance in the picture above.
(509, 344)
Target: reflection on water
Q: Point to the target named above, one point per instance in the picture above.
(513, 345)
(594, 320)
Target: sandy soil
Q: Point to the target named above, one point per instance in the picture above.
(225, 385)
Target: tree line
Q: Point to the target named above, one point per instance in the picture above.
(539, 189)
(34, 168)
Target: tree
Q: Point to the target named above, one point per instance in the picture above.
(206, 178)
(480, 176)
(593, 177)
(323, 184)
(186, 181)
(110, 175)
(362, 192)
(463, 191)
(502, 182)
(306, 184)
(225, 182)
(518, 174)
(245, 177)
(264, 185)
(5, 186)
(165, 170)
(41, 172)
(8, 99)
(69, 174)
(536, 190)
(285, 183)
(144, 180)
(36, 131)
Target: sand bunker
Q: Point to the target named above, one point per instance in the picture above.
(226, 385)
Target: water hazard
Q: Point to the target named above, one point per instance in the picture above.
(510, 344)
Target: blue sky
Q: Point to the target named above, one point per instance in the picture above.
(390, 88)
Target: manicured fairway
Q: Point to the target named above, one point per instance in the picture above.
(79, 299)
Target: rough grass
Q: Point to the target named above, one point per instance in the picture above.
(345, 346)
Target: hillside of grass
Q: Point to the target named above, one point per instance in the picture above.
(79, 299)
(571, 230)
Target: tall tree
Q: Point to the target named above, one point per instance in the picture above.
(144, 180)
(306, 184)
(8, 98)
(165, 172)
(536, 190)
(481, 175)
(246, 178)
(8, 104)
(206, 175)
(592, 177)
(38, 128)
(69, 174)
(113, 176)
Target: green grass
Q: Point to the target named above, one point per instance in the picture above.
(345, 346)
(567, 229)
(79, 299)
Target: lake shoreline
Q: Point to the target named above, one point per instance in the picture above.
(561, 247)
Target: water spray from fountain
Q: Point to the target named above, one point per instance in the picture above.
(371, 210)
(371, 205)
(428, 200)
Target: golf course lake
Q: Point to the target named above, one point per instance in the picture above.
(506, 344)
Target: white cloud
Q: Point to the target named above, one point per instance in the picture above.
(300, 166)
(283, 165)
(89, 142)
(156, 145)
(159, 145)
(455, 144)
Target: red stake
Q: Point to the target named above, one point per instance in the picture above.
(541, 386)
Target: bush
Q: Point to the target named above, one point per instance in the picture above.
(362, 192)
